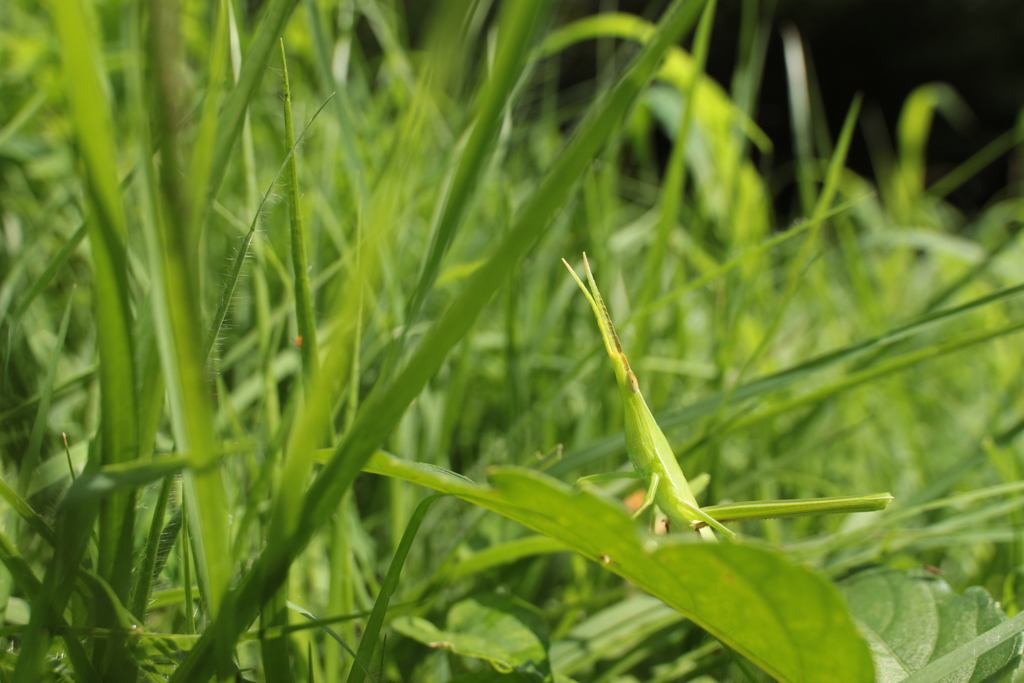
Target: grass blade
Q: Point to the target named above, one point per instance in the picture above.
(235, 273)
(31, 458)
(233, 114)
(519, 21)
(108, 230)
(144, 577)
(968, 652)
(674, 183)
(304, 314)
(390, 585)
(779, 380)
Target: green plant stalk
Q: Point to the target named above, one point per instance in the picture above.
(200, 165)
(186, 572)
(305, 318)
(182, 351)
(234, 275)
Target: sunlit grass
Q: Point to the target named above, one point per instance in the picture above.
(219, 403)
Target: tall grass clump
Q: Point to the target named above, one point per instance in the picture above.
(268, 272)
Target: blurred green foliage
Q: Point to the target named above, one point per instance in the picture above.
(869, 349)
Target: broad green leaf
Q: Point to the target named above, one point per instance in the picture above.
(910, 621)
(787, 619)
(506, 632)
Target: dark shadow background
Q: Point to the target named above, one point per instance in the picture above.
(883, 48)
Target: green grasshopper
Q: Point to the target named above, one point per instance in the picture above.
(654, 462)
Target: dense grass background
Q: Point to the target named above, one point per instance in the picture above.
(207, 310)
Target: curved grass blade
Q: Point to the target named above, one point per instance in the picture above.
(518, 22)
(329, 631)
(31, 517)
(677, 70)
(380, 607)
(913, 129)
